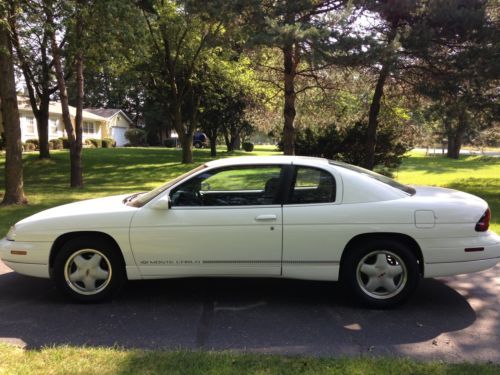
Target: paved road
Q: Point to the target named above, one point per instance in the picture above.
(452, 319)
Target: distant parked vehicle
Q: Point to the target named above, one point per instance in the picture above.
(200, 140)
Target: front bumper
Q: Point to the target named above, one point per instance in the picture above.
(27, 258)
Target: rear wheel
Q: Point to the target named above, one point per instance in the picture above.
(88, 270)
(381, 274)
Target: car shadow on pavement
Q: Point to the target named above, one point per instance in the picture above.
(262, 315)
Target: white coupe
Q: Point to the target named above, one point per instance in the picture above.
(277, 216)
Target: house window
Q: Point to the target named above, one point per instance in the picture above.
(29, 123)
(53, 126)
(88, 127)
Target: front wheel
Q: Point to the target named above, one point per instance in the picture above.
(87, 270)
(381, 274)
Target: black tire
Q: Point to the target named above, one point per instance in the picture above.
(197, 145)
(370, 272)
(96, 257)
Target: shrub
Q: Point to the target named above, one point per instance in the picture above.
(170, 142)
(56, 144)
(349, 144)
(108, 143)
(152, 138)
(247, 146)
(96, 143)
(35, 144)
(29, 146)
(136, 137)
(65, 143)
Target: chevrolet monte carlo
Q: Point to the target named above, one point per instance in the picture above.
(277, 216)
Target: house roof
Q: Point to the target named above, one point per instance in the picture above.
(55, 108)
(108, 113)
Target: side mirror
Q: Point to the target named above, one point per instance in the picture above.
(163, 203)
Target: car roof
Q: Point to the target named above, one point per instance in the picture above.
(274, 159)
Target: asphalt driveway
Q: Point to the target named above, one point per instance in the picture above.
(452, 319)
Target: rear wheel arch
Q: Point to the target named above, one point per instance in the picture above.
(399, 237)
(100, 236)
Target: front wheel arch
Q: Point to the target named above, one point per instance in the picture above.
(64, 238)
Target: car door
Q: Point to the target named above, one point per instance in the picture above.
(311, 236)
(223, 221)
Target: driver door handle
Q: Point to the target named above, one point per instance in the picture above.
(266, 217)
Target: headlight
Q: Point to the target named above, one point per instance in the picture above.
(11, 234)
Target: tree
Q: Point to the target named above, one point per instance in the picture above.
(396, 18)
(228, 90)
(30, 36)
(74, 134)
(307, 34)
(459, 68)
(14, 191)
(182, 38)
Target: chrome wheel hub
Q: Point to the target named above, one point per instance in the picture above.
(381, 274)
(87, 271)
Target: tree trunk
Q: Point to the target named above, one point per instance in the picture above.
(213, 147)
(455, 138)
(212, 136)
(41, 112)
(187, 149)
(76, 150)
(75, 156)
(371, 131)
(290, 97)
(14, 191)
(453, 149)
(42, 124)
(185, 139)
(237, 142)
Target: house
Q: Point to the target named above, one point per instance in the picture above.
(93, 125)
(117, 123)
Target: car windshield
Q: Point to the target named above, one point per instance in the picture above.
(140, 199)
(386, 180)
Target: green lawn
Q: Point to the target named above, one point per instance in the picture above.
(478, 175)
(70, 360)
(116, 171)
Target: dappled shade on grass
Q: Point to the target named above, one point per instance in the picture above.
(128, 170)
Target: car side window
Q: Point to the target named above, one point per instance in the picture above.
(233, 186)
(312, 185)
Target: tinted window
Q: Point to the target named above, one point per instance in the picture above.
(384, 179)
(236, 186)
(312, 185)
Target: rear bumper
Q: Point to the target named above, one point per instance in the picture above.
(29, 258)
(457, 268)
(453, 259)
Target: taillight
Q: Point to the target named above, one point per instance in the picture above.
(484, 223)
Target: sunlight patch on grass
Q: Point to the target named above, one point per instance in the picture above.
(129, 170)
(86, 360)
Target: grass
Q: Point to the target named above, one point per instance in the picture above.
(127, 170)
(478, 175)
(70, 360)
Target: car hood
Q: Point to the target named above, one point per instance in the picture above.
(108, 212)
